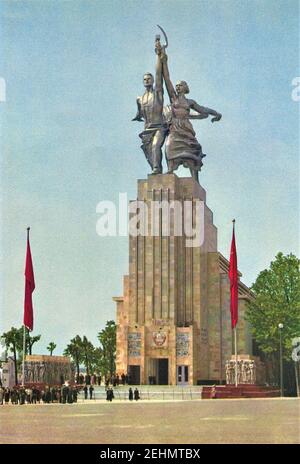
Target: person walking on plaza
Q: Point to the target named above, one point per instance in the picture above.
(64, 391)
(14, 396)
(213, 393)
(75, 394)
(1, 395)
(109, 394)
(6, 395)
(22, 395)
(53, 395)
(70, 395)
(136, 394)
(91, 390)
(123, 378)
(28, 392)
(34, 395)
(48, 395)
(85, 389)
(130, 395)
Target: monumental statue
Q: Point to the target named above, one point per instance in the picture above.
(173, 317)
(182, 147)
(150, 110)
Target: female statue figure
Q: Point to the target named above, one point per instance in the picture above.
(182, 147)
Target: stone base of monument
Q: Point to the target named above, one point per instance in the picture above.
(251, 380)
(241, 391)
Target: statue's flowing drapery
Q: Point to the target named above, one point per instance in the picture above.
(182, 147)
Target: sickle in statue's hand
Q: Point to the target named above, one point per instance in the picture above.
(165, 36)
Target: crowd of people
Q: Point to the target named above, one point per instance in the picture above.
(134, 394)
(115, 380)
(65, 394)
(33, 395)
(131, 394)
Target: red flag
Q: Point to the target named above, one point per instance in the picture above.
(233, 277)
(29, 287)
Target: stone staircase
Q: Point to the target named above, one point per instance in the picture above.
(185, 393)
(150, 392)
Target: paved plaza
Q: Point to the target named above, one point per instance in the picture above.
(150, 422)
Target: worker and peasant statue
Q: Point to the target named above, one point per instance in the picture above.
(170, 125)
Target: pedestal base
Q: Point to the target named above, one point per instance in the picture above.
(241, 391)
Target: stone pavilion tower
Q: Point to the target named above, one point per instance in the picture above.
(173, 320)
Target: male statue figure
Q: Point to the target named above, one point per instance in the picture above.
(150, 110)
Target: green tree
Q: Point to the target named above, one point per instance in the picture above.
(13, 340)
(99, 364)
(51, 347)
(88, 353)
(75, 351)
(277, 300)
(107, 338)
(30, 340)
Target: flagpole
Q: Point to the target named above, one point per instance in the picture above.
(24, 334)
(235, 334)
(297, 378)
(236, 358)
(24, 347)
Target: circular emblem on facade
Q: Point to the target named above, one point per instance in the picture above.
(159, 338)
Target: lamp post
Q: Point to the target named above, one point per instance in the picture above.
(280, 327)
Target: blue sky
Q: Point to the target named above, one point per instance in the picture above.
(73, 70)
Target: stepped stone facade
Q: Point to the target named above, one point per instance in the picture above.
(173, 320)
